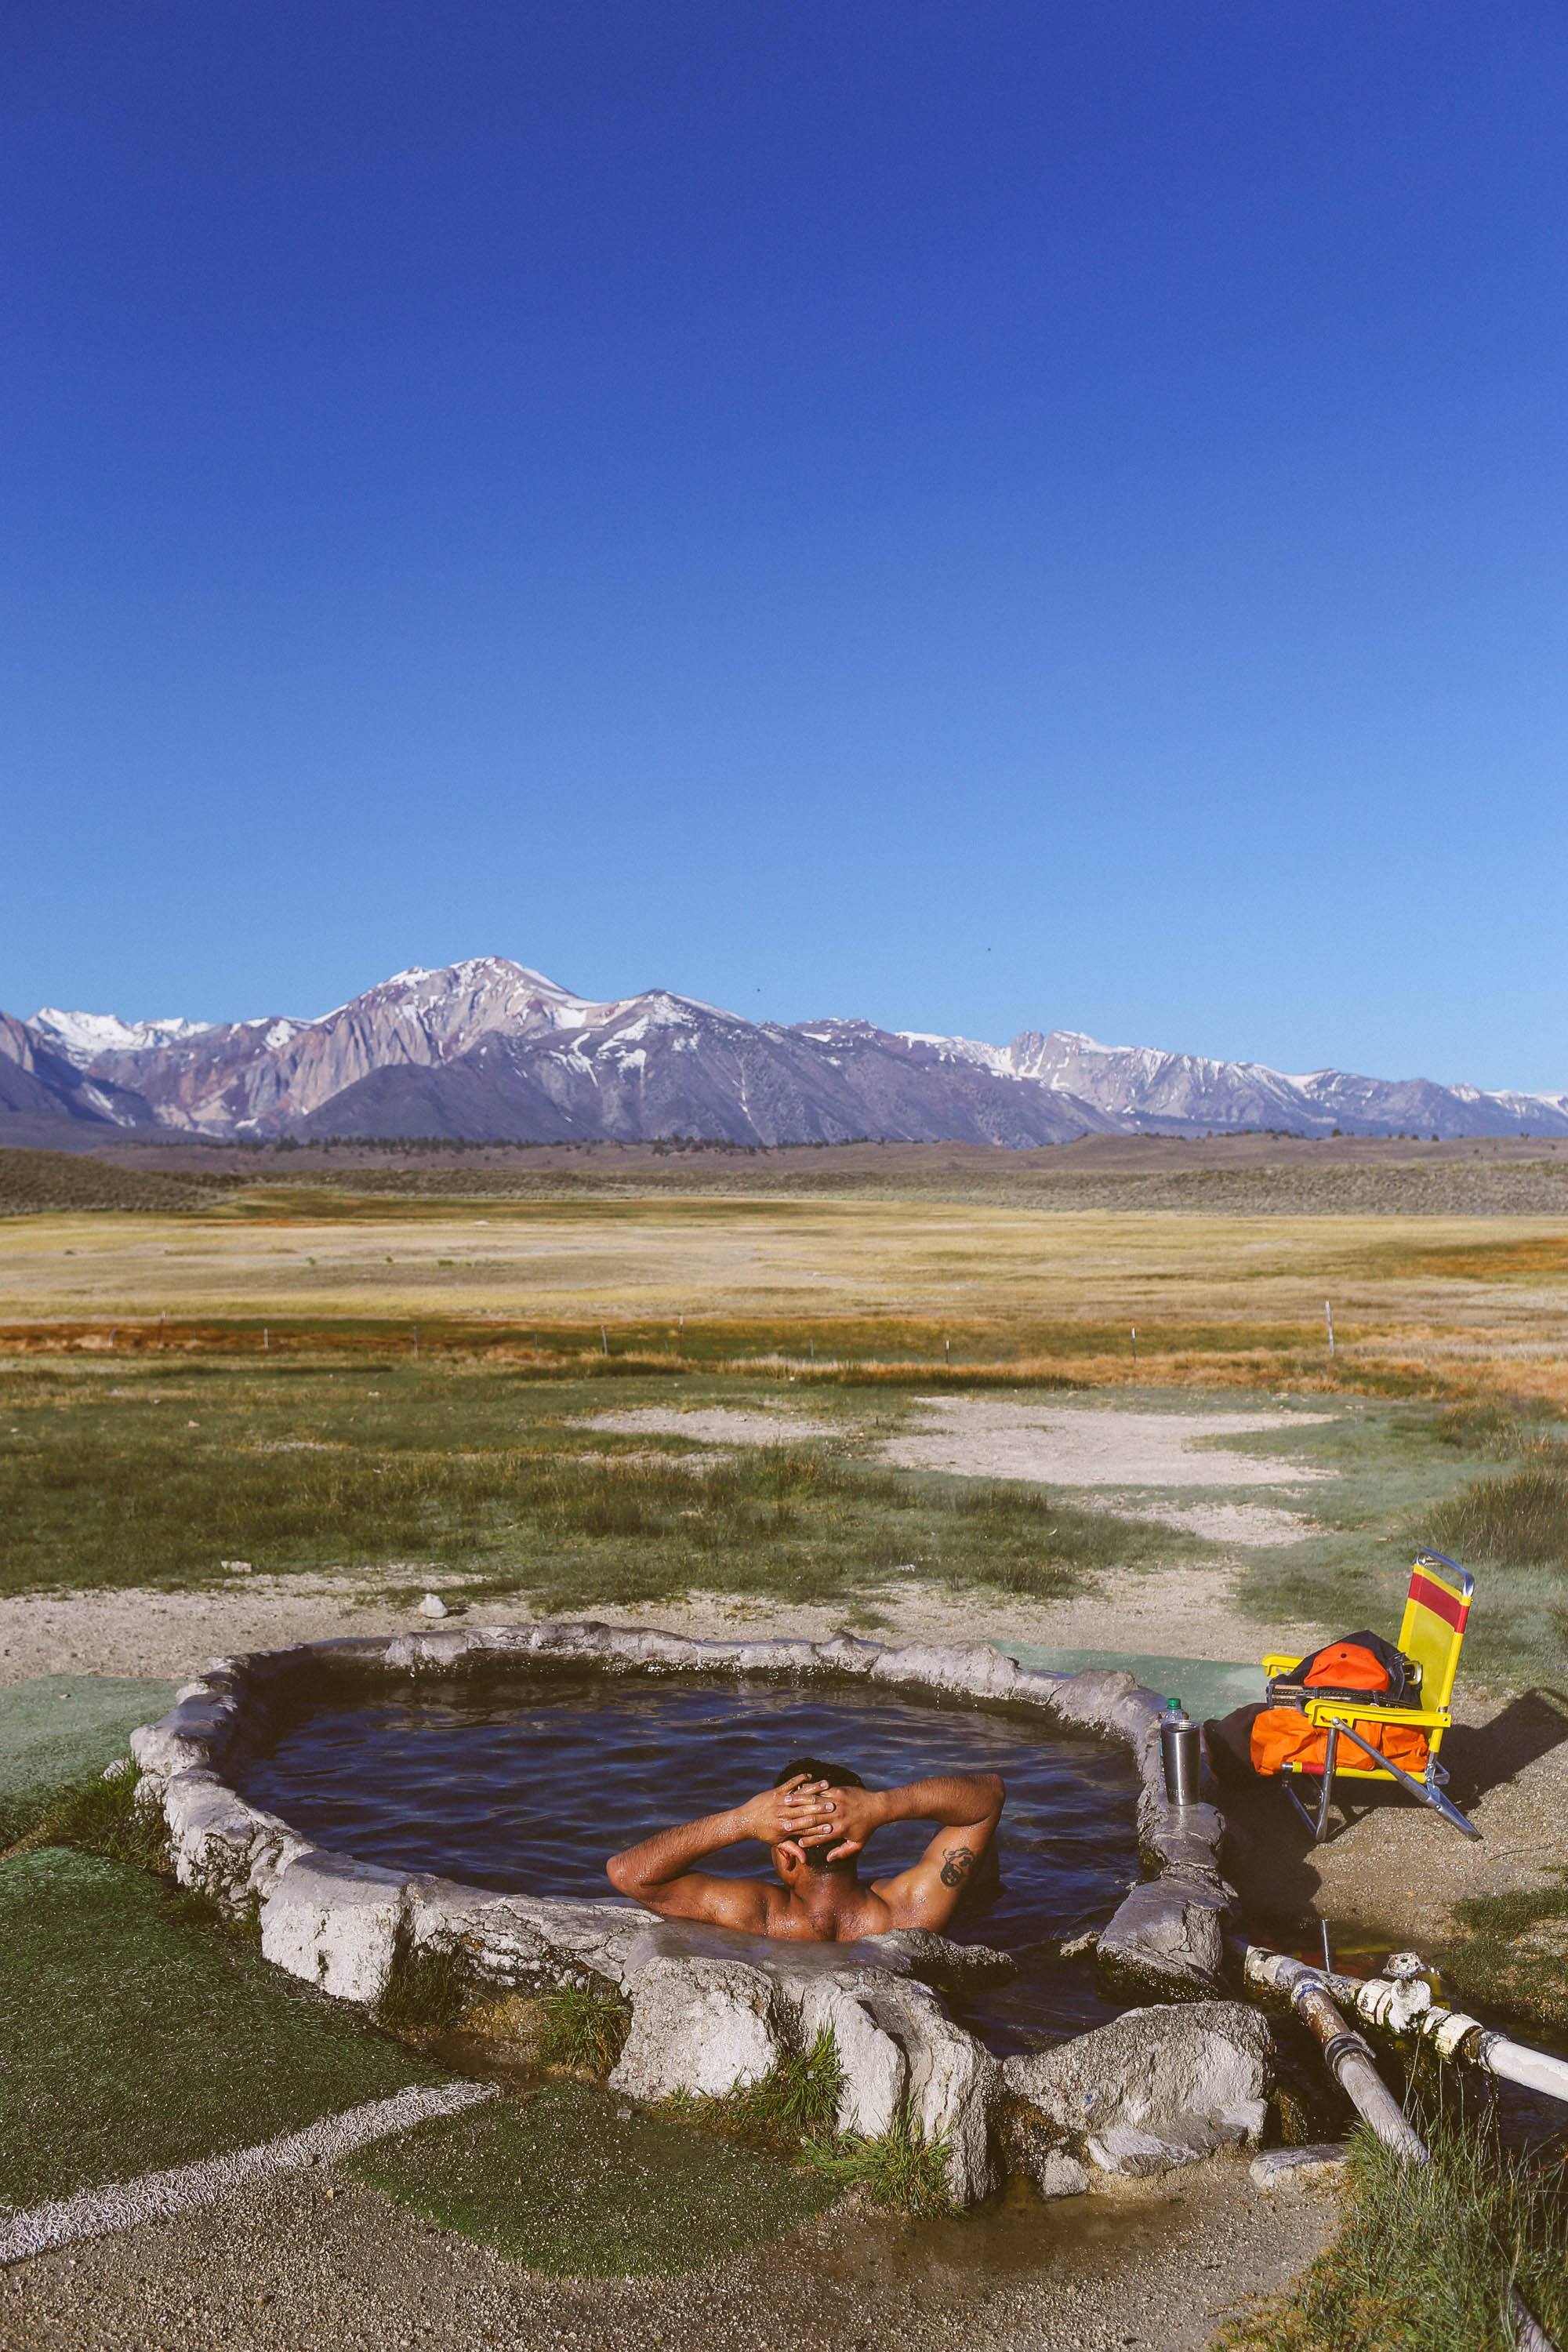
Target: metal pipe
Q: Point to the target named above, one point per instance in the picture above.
(1529, 2335)
(1346, 2054)
(1450, 2032)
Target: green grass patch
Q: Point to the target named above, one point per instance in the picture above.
(1426, 2253)
(1510, 1956)
(131, 2038)
(153, 1476)
(575, 2183)
(583, 2027)
(1411, 1478)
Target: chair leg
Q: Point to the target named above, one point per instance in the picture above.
(1428, 1790)
(1287, 1783)
(1328, 1789)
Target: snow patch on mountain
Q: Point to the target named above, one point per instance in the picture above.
(82, 1037)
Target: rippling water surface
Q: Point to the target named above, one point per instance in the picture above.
(529, 1786)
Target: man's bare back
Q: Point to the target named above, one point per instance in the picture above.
(816, 1822)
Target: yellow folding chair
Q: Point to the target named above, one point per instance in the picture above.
(1431, 1635)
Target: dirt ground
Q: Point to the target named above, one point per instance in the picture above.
(1390, 1872)
(144, 1632)
(320, 2262)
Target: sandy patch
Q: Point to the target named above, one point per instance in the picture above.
(720, 1425)
(1092, 1446)
(696, 1465)
(1254, 1526)
(139, 1632)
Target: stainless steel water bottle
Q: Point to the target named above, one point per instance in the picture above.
(1181, 1750)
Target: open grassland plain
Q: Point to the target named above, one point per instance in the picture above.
(1443, 1305)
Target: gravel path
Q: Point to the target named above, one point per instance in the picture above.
(320, 2264)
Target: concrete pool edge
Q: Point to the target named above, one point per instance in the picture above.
(709, 2008)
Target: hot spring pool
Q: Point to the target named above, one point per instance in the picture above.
(527, 1787)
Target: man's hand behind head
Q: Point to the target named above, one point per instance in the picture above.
(851, 1815)
(794, 1814)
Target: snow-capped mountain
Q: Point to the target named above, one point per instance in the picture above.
(82, 1037)
(488, 1051)
(1144, 1089)
(41, 1087)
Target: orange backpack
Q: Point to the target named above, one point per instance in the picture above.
(1347, 1665)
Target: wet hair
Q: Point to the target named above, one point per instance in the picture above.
(838, 1776)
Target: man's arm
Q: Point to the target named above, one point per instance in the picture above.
(968, 1805)
(659, 1872)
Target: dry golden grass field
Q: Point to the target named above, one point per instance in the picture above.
(1444, 1305)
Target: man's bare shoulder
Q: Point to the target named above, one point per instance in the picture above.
(743, 1902)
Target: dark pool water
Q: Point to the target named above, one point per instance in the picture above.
(529, 1786)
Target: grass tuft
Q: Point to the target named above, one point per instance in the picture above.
(103, 1816)
(900, 2169)
(583, 2027)
(427, 1988)
(1520, 1520)
(796, 2106)
(1426, 2254)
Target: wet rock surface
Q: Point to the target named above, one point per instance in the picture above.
(1298, 2167)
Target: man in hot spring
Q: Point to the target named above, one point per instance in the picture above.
(815, 1820)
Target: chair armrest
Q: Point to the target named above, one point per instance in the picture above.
(1322, 1712)
(1278, 1662)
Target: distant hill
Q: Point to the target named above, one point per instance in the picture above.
(33, 1180)
(489, 1051)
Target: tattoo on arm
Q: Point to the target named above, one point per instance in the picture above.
(956, 1864)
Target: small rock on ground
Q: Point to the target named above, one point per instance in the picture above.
(1298, 2167)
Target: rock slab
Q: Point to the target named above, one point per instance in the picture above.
(1154, 2089)
(701, 2027)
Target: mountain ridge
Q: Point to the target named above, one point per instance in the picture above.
(491, 1051)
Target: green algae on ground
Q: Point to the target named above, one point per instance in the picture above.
(132, 2038)
(573, 2181)
(57, 1728)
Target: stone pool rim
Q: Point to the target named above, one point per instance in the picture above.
(703, 1999)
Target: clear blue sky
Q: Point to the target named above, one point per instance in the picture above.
(979, 515)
